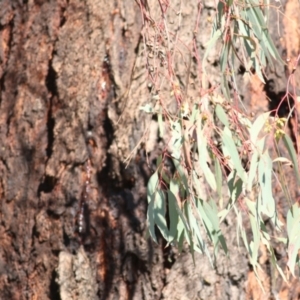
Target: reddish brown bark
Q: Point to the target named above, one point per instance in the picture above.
(62, 64)
(71, 81)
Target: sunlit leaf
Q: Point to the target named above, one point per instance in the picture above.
(283, 160)
(182, 173)
(203, 155)
(190, 219)
(293, 225)
(219, 179)
(229, 148)
(180, 235)
(235, 186)
(174, 192)
(211, 43)
(160, 214)
(253, 170)
(224, 56)
(265, 182)
(290, 147)
(254, 245)
(222, 115)
(258, 126)
(151, 193)
(173, 216)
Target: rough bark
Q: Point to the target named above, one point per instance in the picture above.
(72, 79)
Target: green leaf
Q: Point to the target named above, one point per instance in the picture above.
(257, 126)
(182, 173)
(293, 225)
(200, 246)
(254, 245)
(283, 160)
(151, 193)
(219, 179)
(243, 231)
(229, 2)
(252, 170)
(224, 56)
(260, 145)
(222, 115)
(267, 38)
(240, 229)
(245, 35)
(259, 30)
(152, 185)
(235, 186)
(212, 213)
(265, 181)
(195, 114)
(203, 155)
(180, 235)
(160, 214)
(230, 149)
(175, 190)
(189, 217)
(173, 216)
(150, 219)
(290, 147)
(211, 43)
(225, 87)
(197, 184)
(159, 161)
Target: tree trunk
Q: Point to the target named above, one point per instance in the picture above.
(73, 218)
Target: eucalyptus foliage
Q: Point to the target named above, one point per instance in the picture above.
(221, 158)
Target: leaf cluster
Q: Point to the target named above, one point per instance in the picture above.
(221, 157)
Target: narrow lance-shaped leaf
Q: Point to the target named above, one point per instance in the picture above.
(224, 56)
(254, 245)
(212, 212)
(180, 235)
(219, 179)
(200, 246)
(202, 150)
(224, 86)
(229, 147)
(265, 182)
(206, 220)
(160, 214)
(222, 115)
(174, 190)
(266, 35)
(293, 224)
(252, 170)
(211, 43)
(173, 209)
(189, 233)
(235, 186)
(290, 147)
(257, 127)
(182, 173)
(259, 31)
(151, 192)
(273, 258)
